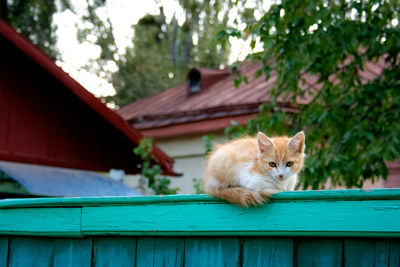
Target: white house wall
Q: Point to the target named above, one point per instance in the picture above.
(188, 153)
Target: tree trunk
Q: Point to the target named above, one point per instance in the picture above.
(174, 43)
(188, 47)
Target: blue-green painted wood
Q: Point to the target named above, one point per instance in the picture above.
(319, 252)
(159, 252)
(41, 221)
(31, 252)
(169, 252)
(3, 250)
(60, 252)
(268, 252)
(353, 194)
(308, 218)
(352, 213)
(200, 252)
(365, 253)
(382, 253)
(114, 251)
(394, 253)
(72, 252)
(145, 252)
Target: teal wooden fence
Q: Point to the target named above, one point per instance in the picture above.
(313, 228)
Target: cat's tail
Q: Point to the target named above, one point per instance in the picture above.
(239, 195)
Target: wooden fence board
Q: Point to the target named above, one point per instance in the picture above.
(72, 252)
(169, 252)
(114, 251)
(319, 252)
(159, 252)
(363, 252)
(394, 254)
(268, 252)
(31, 252)
(145, 252)
(3, 250)
(200, 252)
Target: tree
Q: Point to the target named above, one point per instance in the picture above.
(34, 20)
(147, 67)
(152, 171)
(163, 50)
(352, 127)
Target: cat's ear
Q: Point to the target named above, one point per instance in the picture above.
(297, 142)
(264, 143)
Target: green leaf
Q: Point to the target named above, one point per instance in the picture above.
(352, 122)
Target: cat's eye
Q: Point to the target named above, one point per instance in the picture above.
(289, 164)
(272, 164)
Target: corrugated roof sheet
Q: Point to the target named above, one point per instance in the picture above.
(63, 182)
(220, 99)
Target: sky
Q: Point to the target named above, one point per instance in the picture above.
(123, 14)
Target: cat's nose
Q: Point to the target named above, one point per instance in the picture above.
(280, 176)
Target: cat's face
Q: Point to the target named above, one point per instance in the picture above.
(281, 157)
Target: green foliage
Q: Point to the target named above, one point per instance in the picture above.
(100, 30)
(235, 131)
(208, 139)
(197, 184)
(163, 50)
(146, 68)
(351, 125)
(34, 20)
(151, 171)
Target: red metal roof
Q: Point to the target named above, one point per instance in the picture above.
(109, 116)
(198, 127)
(173, 110)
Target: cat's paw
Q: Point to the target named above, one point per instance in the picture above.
(264, 195)
(255, 198)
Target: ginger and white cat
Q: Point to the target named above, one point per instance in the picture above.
(247, 171)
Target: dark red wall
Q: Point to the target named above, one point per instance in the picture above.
(43, 122)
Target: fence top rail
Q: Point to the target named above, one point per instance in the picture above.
(351, 213)
(312, 195)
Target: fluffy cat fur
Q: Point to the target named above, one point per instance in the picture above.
(247, 171)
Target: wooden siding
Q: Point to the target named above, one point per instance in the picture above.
(48, 118)
(43, 122)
